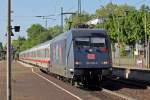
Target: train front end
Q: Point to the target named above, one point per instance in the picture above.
(92, 56)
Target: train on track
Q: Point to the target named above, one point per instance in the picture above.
(80, 55)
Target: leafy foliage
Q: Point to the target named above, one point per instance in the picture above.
(54, 31)
(125, 24)
(36, 34)
(18, 44)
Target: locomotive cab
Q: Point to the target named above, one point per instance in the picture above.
(92, 57)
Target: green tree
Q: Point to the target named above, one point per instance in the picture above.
(35, 30)
(77, 19)
(17, 44)
(55, 30)
(123, 23)
(36, 34)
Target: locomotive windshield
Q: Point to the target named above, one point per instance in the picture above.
(98, 42)
(82, 42)
(90, 42)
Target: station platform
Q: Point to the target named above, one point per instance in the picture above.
(132, 73)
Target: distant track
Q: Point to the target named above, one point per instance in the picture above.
(117, 94)
(131, 82)
(128, 88)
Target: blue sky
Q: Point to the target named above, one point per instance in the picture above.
(24, 11)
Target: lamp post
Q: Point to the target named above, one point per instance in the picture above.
(9, 52)
(9, 49)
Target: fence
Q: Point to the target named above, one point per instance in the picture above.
(136, 62)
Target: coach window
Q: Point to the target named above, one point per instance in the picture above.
(45, 53)
(32, 54)
(41, 53)
(37, 53)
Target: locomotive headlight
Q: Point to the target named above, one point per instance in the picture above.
(104, 62)
(77, 62)
(90, 50)
(71, 70)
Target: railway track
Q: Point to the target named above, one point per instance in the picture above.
(143, 85)
(128, 90)
(120, 96)
(121, 90)
(115, 89)
(106, 94)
